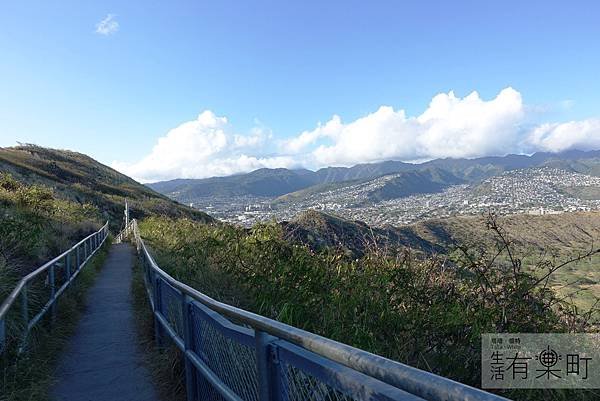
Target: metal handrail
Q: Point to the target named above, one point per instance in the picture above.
(90, 245)
(415, 381)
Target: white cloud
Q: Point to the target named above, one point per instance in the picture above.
(580, 135)
(204, 147)
(331, 129)
(450, 127)
(107, 26)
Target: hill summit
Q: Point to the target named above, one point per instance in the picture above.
(77, 177)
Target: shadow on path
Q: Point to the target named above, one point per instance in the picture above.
(102, 361)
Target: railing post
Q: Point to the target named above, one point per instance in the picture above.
(68, 266)
(147, 276)
(25, 316)
(78, 258)
(2, 335)
(188, 338)
(266, 367)
(157, 327)
(52, 293)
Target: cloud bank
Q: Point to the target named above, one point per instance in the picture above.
(204, 147)
(107, 26)
(450, 127)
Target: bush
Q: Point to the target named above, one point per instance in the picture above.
(35, 225)
(426, 312)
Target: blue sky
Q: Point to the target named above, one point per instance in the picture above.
(263, 72)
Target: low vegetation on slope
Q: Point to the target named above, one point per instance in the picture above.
(36, 225)
(81, 179)
(561, 233)
(428, 312)
(320, 231)
(49, 200)
(549, 236)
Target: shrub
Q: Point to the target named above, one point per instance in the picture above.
(426, 312)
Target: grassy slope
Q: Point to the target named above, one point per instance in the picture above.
(29, 376)
(536, 236)
(50, 199)
(36, 225)
(417, 311)
(80, 178)
(561, 233)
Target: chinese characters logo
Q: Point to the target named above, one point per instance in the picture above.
(528, 360)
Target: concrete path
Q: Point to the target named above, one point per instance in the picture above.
(102, 361)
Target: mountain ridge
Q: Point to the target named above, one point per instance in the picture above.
(279, 182)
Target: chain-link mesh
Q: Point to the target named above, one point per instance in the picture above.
(233, 362)
(170, 306)
(206, 392)
(298, 385)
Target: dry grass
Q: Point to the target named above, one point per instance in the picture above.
(166, 364)
(28, 377)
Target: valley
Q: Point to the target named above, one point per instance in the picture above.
(385, 201)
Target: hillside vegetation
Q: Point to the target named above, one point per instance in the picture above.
(79, 178)
(427, 311)
(49, 200)
(35, 225)
(391, 186)
(262, 182)
(421, 294)
(534, 237)
(562, 233)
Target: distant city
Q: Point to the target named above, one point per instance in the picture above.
(535, 191)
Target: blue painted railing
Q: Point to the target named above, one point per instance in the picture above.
(235, 355)
(52, 279)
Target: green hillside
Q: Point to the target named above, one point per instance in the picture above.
(549, 237)
(262, 182)
(562, 233)
(321, 231)
(421, 294)
(49, 200)
(79, 178)
(36, 225)
(430, 180)
(426, 307)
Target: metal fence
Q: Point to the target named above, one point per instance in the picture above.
(259, 359)
(38, 291)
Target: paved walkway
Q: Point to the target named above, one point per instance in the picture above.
(102, 361)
